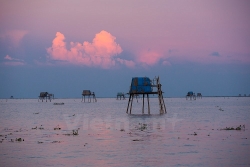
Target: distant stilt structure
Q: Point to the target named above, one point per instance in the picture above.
(45, 96)
(191, 95)
(88, 94)
(199, 96)
(120, 95)
(144, 86)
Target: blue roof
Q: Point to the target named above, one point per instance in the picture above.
(140, 85)
(190, 93)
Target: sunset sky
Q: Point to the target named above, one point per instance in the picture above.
(64, 46)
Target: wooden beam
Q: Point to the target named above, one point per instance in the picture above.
(131, 103)
(143, 104)
(128, 102)
(148, 104)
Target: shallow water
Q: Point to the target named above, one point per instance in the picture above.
(107, 136)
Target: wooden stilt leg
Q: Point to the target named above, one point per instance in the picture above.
(143, 104)
(131, 103)
(148, 105)
(164, 105)
(128, 103)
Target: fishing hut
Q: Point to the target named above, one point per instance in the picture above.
(45, 96)
(88, 93)
(144, 86)
(190, 95)
(120, 96)
(199, 96)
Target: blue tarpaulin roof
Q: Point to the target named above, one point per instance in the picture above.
(140, 85)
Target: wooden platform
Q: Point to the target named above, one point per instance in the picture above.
(158, 92)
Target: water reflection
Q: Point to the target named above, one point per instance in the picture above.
(107, 136)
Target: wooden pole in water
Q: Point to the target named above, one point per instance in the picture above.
(148, 105)
(131, 103)
(143, 104)
(164, 104)
(128, 102)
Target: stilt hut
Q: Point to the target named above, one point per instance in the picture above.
(45, 96)
(88, 93)
(144, 86)
(120, 96)
(199, 96)
(191, 95)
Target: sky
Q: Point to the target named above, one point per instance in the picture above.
(64, 47)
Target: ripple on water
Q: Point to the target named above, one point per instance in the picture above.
(164, 139)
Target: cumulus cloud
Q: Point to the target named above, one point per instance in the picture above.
(128, 63)
(13, 61)
(151, 57)
(102, 52)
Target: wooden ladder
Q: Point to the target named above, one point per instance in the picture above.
(160, 97)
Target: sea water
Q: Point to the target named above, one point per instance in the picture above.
(191, 133)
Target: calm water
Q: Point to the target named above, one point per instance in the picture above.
(107, 136)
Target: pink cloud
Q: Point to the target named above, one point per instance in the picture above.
(102, 52)
(128, 63)
(12, 61)
(15, 36)
(7, 57)
(151, 57)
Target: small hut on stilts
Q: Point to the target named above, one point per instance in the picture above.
(120, 96)
(199, 96)
(88, 93)
(45, 96)
(144, 86)
(191, 95)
